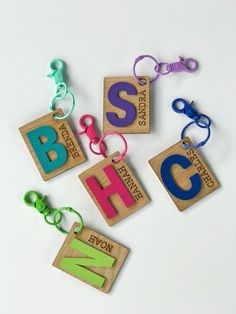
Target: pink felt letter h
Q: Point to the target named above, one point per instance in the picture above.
(102, 194)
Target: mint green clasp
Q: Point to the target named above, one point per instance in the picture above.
(33, 199)
(57, 68)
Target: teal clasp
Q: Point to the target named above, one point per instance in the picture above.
(57, 68)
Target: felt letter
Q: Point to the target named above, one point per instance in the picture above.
(41, 149)
(170, 183)
(115, 100)
(102, 194)
(95, 258)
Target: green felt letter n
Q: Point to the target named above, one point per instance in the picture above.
(96, 258)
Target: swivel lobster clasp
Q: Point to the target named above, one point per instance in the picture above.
(164, 68)
(89, 129)
(57, 68)
(183, 65)
(180, 105)
(33, 199)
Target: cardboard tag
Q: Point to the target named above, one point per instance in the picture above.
(91, 257)
(114, 189)
(126, 105)
(52, 145)
(184, 174)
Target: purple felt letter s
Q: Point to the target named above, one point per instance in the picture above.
(115, 100)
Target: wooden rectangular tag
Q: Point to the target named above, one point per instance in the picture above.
(178, 166)
(59, 132)
(114, 189)
(91, 258)
(126, 106)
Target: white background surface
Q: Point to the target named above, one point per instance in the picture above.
(180, 263)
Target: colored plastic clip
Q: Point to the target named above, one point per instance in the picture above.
(91, 133)
(33, 199)
(89, 129)
(163, 68)
(180, 105)
(57, 68)
(183, 65)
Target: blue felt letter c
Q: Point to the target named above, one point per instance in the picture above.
(170, 183)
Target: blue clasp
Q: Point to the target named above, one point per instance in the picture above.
(180, 105)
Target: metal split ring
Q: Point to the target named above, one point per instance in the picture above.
(71, 210)
(202, 143)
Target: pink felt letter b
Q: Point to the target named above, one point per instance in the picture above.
(102, 194)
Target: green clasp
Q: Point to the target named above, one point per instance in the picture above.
(57, 68)
(33, 199)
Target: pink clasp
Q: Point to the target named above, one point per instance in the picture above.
(90, 131)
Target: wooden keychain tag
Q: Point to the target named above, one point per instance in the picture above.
(52, 144)
(114, 189)
(184, 174)
(126, 106)
(91, 258)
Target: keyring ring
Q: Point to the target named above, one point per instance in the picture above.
(52, 223)
(52, 105)
(200, 144)
(59, 93)
(122, 155)
(162, 65)
(71, 210)
(155, 67)
(202, 123)
(101, 152)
